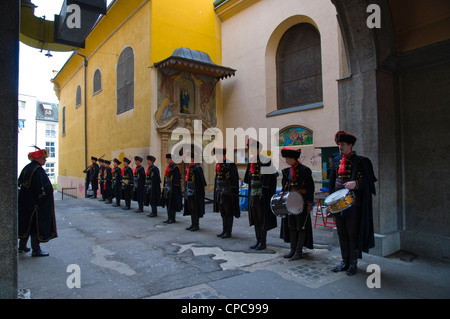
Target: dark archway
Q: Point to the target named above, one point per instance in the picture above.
(395, 102)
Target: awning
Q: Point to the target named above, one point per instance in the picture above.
(196, 62)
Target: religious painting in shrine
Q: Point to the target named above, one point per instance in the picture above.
(185, 95)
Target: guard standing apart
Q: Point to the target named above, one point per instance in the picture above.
(171, 195)
(226, 191)
(152, 186)
(36, 207)
(261, 178)
(117, 181)
(139, 183)
(297, 229)
(354, 224)
(127, 183)
(194, 194)
(93, 176)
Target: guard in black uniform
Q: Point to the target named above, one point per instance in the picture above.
(226, 192)
(194, 193)
(139, 183)
(36, 206)
(354, 224)
(127, 182)
(261, 178)
(101, 180)
(87, 181)
(297, 229)
(152, 186)
(171, 195)
(107, 180)
(117, 181)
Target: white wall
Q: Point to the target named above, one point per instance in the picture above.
(26, 136)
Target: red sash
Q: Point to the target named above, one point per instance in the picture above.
(342, 163)
(293, 174)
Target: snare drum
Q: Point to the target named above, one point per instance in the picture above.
(339, 201)
(287, 203)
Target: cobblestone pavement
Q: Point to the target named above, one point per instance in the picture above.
(124, 255)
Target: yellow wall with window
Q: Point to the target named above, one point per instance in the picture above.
(153, 29)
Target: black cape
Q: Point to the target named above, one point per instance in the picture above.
(107, 182)
(117, 182)
(199, 190)
(153, 195)
(36, 200)
(362, 171)
(175, 197)
(139, 186)
(304, 175)
(127, 182)
(232, 178)
(269, 186)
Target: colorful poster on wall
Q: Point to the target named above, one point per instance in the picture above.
(295, 135)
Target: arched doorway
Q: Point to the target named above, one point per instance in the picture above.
(396, 85)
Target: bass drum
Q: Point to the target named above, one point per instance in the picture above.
(287, 203)
(339, 201)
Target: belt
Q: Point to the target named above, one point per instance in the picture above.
(256, 188)
(302, 191)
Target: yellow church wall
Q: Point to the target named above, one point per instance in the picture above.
(191, 24)
(153, 29)
(71, 158)
(127, 134)
(109, 132)
(71, 144)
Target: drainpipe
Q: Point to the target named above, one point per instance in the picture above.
(85, 110)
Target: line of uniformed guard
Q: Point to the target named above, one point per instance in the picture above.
(355, 228)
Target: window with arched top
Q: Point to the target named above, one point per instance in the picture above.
(97, 85)
(125, 81)
(78, 97)
(299, 67)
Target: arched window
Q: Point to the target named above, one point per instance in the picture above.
(97, 81)
(78, 97)
(125, 81)
(299, 67)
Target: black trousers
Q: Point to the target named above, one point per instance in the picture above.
(190, 204)
(171, 212)
(259, 220)
(348, 224)
(152, 202)
(226, 212)
(35, 246)
(127, 196)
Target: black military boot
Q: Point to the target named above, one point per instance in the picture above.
(298, 250)
(293, 238)
(352, 267)
(343, 266)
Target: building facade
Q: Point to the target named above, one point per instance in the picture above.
(109, 91)
(123, 94)
(38, 125)
(287, 57)
(303, 68)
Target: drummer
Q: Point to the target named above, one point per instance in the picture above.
(354, 224)
(297, 229)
